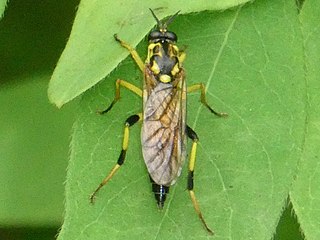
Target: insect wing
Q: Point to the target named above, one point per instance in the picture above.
(163, 131)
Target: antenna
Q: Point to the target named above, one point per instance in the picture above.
(164, 25)
(172, 18)
(155, 17)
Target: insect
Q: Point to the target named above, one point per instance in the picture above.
(164, 128)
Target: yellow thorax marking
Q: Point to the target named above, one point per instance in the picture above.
(165, 78)
(175, 69)
(155, 68)
(151, 47)
(174, 50)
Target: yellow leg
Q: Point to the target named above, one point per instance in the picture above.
(125, 84)
(129, 122)
(201, 87)
(132, 51)
(191, 134)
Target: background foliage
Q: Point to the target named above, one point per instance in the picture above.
(35, 136)
(259, 63)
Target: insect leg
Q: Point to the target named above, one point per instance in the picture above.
(129, 122)
(193, 136)
(132, 51)
(201, 87)
(122, 83)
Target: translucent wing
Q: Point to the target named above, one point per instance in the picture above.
(163, 131)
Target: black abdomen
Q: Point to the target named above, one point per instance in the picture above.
(160, 192)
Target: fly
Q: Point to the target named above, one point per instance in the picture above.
(164, 128)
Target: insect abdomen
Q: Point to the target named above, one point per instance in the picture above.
(160, 192)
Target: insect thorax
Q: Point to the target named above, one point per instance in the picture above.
(163, 59)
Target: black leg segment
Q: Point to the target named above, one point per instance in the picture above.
(128, 123)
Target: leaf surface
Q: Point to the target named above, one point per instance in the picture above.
(251, 60)
(305, 195)
(3, 4)
(91, 54)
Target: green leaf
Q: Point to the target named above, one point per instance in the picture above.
(288, 227)
(91, 54)
(34, 149)
(3, 4)
(251, 60)
(305, 195)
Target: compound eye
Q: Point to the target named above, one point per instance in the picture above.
(154, 35)
(171, 36)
